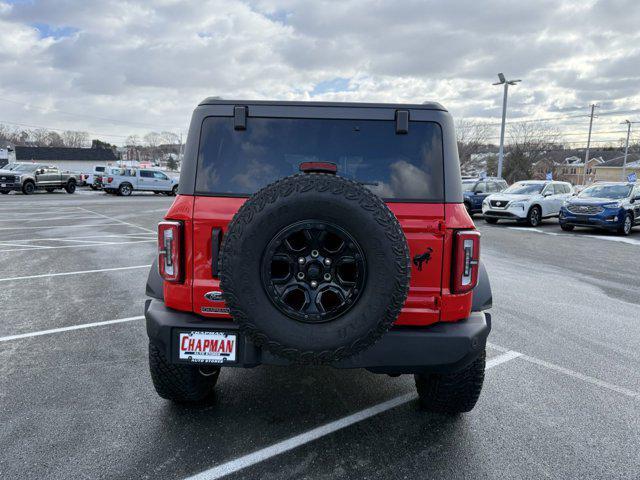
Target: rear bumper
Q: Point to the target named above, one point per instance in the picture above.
(443, 347)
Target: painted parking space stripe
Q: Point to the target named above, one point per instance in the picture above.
(97, 244)
(68, 329)
(46, 219)
(78, 272)
(284, 446)
(627, 240)
(118, 220)
(136, 236)
(580, 376)
(93, 225)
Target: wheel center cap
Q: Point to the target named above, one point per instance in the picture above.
(314, 271)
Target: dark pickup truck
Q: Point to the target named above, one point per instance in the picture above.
(28, 177)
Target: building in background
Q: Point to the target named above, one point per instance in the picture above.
(571, 169)
(611, 171)
(79, 160)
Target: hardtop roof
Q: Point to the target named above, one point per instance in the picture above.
(422, 106)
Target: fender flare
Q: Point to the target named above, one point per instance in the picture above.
(154, 283)
(482, 296)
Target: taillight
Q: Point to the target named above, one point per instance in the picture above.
(466, 260)
(169, 251)
(109, 179)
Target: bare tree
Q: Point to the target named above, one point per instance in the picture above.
(54, 139)
(472, 137)
(39, 137)
(170, 138)
(76, 139)
(528, 144)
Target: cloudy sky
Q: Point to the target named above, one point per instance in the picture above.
(114, 68)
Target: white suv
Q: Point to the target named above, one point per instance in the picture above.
(528, 201)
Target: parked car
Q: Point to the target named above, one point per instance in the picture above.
(608, 206)
(94, 179)
(124, 181)
(528, 201)
(273, 254)
(29, 177)
(475, 190)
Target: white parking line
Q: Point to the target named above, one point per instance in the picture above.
(135, 236)
(97, 244)
(580, 376)
(67, 329)
(263, 454)
(12, 244)
(61, 226)
(118, 220)
(46, 219)
(79, 272)
(630, 241)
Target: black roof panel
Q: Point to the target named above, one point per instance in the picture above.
(422, 106)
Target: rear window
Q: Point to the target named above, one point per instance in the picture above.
(401, 167)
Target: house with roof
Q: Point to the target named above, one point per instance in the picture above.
(80, 160)
(612, 170)
(572, 170)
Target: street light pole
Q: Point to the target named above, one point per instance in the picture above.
(506, 83)
(626, 151)
(586, 156)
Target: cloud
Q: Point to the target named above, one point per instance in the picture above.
(117, 67)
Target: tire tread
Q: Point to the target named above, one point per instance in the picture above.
(179, 383)
(352, 191)
(452, 393)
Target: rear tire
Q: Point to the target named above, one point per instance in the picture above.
(70, 187)
(125, 190)
(566, 228)
(452, 393)
(492, 221)
(627, 225)
(183, 384)
(534, 217)
(4, 192)
(174, 191)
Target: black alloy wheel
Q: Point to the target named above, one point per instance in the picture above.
(313, 271)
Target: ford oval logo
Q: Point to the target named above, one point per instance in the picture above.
(214, 296)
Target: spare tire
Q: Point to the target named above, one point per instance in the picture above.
(314, 268)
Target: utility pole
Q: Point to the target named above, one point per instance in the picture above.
(586, 156)
(506, 83)
(626, 151)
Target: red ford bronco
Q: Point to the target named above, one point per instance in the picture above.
(321, 234)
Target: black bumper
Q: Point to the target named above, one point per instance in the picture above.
(443, 347)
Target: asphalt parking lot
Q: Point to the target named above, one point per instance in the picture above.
(561, 396)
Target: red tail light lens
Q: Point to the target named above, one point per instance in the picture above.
(169, 251)
(110, 179)
(466, 260)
